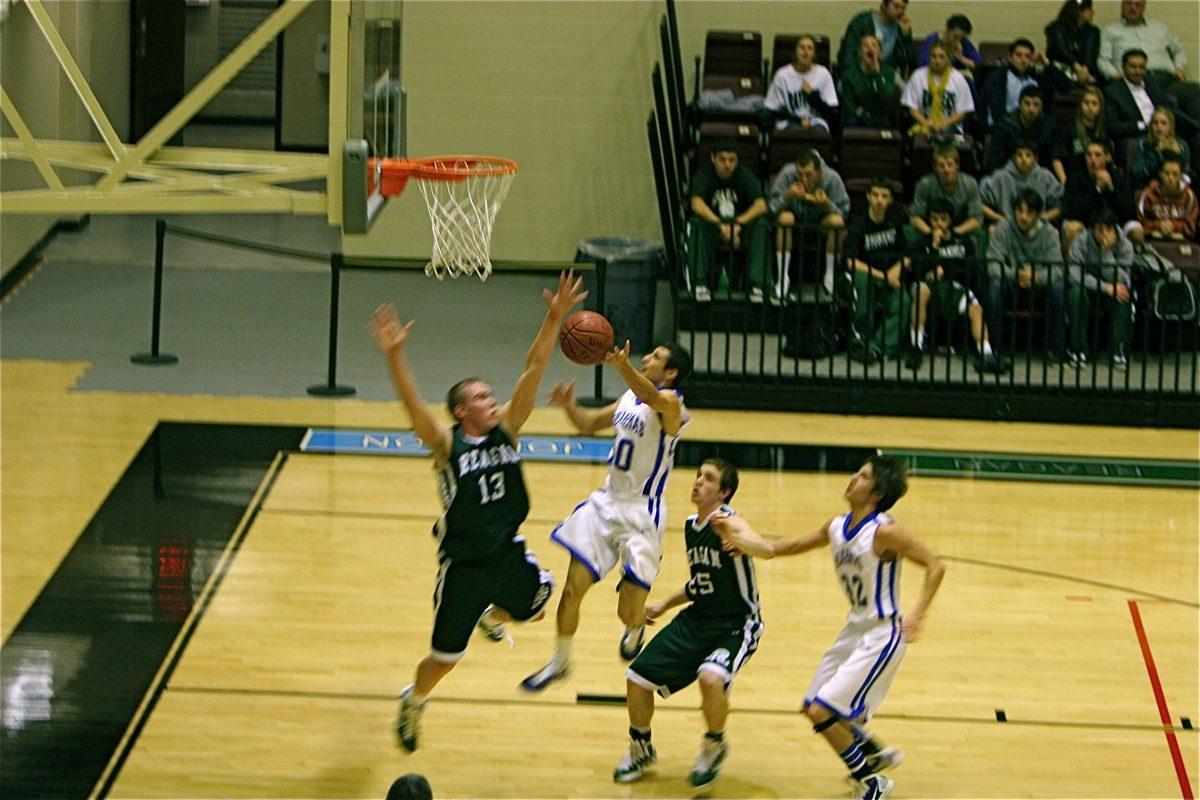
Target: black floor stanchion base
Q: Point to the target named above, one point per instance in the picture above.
(327, 390)
(153, 359)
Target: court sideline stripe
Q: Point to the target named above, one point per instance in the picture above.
(1160, 699)
(1074, 579)
(158, 684)
(365, 696)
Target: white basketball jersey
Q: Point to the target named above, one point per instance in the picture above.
(872, 586)
(642, 453)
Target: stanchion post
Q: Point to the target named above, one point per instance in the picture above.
(331, 388)
(601, 279)
(154, 357)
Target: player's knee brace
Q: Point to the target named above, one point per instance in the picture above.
(827, 724)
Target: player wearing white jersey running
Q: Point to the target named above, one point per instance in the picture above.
(624, 520)
(854, 675)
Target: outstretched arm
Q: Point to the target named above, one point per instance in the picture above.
(738, 536)
(656, 610)
(585, 421)
(514, 413)
(390, 337)
(894, 539)
(666, 401)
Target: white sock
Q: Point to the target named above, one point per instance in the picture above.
(986, 348)
(490, 617)
(918, 338)
(563, 654)
(416, 697)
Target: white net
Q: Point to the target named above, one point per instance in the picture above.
(462, 211)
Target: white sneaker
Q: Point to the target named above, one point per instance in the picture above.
(886, 759)
(408, 724)
(756, 295)
(631, 642)
(492, 630)
(633, 766)
(703, 294)
(708, 763)
(546, 675)
(876, 787)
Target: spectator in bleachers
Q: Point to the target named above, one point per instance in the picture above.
(1025, 67)
(947, 183)
(999, 190)
(1165, 55)
(1101, 186)
(1028, 122)
(868, 88)
(1101, 264)
(807, 196)
(875, 256)
(727, 206)
(964, 57)
(1132, 100)
(1073, 42)
(802, 93)
(1090, 125)
(946, 265)
(1160, 140)
(1027, 254)
(937, 96)
(1168, 208)
(890, 25)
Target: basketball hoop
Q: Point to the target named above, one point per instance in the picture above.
(462, 195)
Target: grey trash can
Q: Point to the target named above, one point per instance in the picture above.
(631, 273)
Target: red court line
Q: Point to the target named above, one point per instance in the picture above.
(1163, 713)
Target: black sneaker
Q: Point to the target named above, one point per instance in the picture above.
(861, 352)
(633, 766)
(708, 763)
(408, 723)
(914, 358)
(992, 364)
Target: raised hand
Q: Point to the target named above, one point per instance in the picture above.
(567, 296)
(563, 394)
(385, 328)
(618, 357)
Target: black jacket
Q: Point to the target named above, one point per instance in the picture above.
(995, 89)
(1004, 138)
(1123, 114)
(1074, 47)
(1082, 199)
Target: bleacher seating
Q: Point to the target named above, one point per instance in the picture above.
(736, 54)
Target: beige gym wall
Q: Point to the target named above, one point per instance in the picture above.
(564, 89)
(97, 34)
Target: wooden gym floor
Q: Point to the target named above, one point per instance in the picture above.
(1069, 610)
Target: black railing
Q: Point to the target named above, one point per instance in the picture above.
(1063, 342)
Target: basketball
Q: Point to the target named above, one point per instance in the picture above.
(586, 337)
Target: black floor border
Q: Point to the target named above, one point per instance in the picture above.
(79, 667)
(185, 635)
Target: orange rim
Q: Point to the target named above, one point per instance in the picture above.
(446, 168)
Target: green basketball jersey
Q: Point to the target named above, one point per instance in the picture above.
(722, 585)
(483, 494)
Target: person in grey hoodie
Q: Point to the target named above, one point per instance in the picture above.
(1026, 253)
(998, 190)
(1101, 264)
(807, 196)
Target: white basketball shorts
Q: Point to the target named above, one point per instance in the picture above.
(604, 529)
(855, 674)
